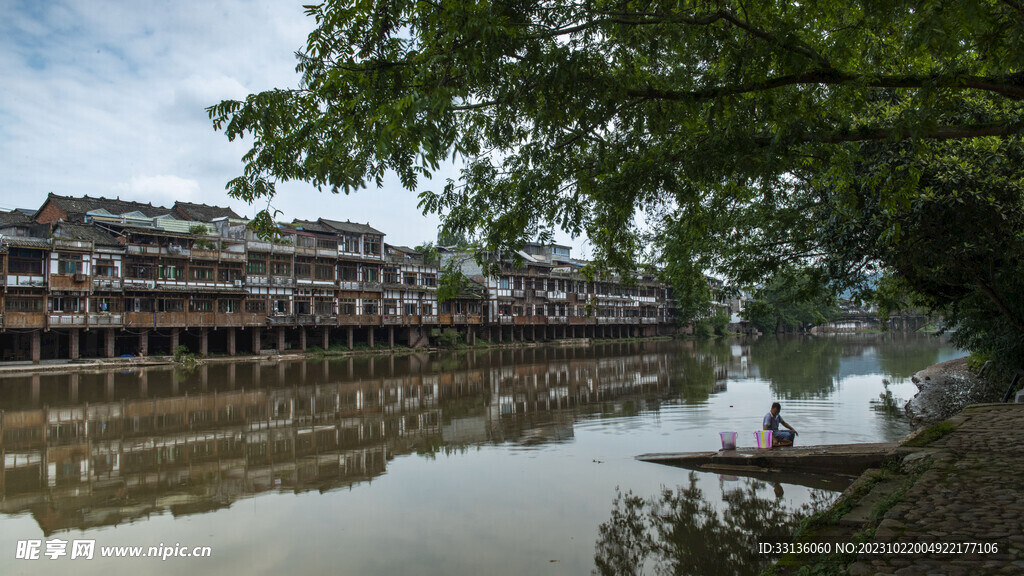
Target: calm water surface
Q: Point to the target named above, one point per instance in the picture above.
(498, 462)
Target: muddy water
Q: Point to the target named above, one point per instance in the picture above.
(493, 462)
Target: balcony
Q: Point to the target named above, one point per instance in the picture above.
(24, 320)
(557, 320)
(67, 320)
(284, 281)
(581, 320)
(106, 284)
(393, 320)
(359, 320)
(557, 296)
(205, 254)
(531, 320)
(145, 249)
(506, 320)
(429, 319)
(256, 281)
(540, 293)
(649, 320)
(519, 293)
(105, 319)
(69, 282)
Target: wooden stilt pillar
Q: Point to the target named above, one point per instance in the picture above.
(232, 345)
(204, 341)
(73, 344)
(108, 342)
(36, 346)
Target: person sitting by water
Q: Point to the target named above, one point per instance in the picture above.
(771, 422)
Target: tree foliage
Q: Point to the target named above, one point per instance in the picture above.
(839, 137)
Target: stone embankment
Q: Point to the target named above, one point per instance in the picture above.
(950, 502)
(946, 389)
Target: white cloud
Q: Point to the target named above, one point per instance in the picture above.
(108, 98)
(163, 190)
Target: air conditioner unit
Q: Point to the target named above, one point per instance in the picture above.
(238, 283)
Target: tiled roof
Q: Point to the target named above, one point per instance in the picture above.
(14, 217)
(203, 212)
(26, 241)
(85, 204)
(88, 232)
(311, 226)
(352, 227)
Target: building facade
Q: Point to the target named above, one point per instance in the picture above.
(101, 278)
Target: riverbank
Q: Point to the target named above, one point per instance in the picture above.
(947, 388)
(127, 362)
(949, 502)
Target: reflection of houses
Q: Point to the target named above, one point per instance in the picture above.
(116, 447)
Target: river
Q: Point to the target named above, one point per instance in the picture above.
(514, 461)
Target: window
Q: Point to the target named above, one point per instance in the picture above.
(390, 306)
(139, 268)
(390, 275)
(303, 268)
(202, 273)
(347, 306)
(371, 245)
(70, 264)
(106, 268)
(280, 268)
(23, 304)
(517, 283)
(506, 309)
(197, 305)
(409, 279)
(229, 306)
(229, 274)
(324, 271)
(171, 270)
(103, 304)
(429, 279)
(62, 304)
(21, 261)
(170, 305)
(427, 309)
(503, 284)
(348, 272)
(409, 310)
(281, 306)
(140, 305)
(256, 306)
(370, 307)
(256, 265)
(371, 274)
(349, 243)
(324, 307)
(326, 244)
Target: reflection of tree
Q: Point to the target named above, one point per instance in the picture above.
(903, 355)
(798, 367)
(696, 371)
(680, 532)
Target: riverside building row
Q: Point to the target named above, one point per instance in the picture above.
(99, 277)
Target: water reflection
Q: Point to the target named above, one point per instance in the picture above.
(86, 450)
(681, 532)
(90, 450)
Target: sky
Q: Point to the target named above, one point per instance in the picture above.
(108, 98)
